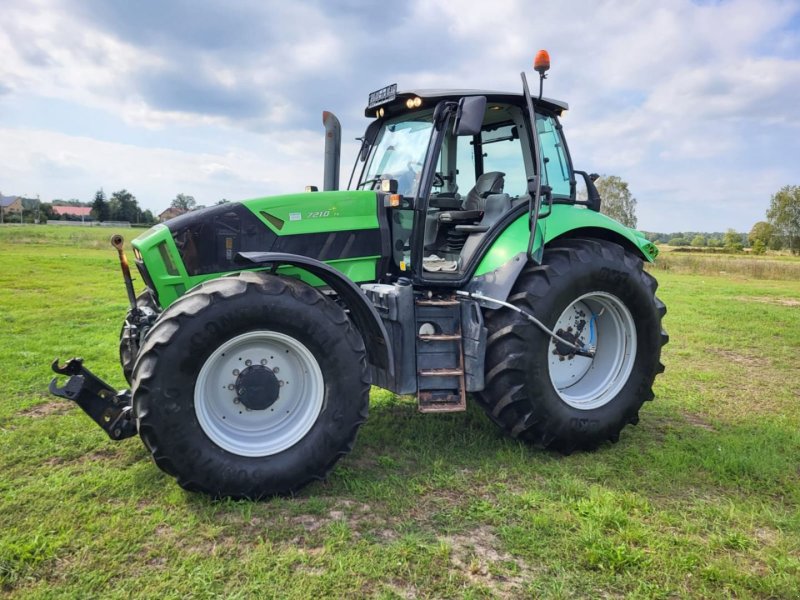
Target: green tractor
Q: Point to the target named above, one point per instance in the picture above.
(460, 260)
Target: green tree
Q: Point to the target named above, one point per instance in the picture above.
(714, 242)
(618, 202)
(100, 206)
(184, 202)
(761, 231)
(759, 247)
(123, 207)
(678, 241)
(784, 216)
(732, 241)
(698, 241)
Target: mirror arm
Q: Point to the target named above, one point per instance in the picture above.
(593, 199)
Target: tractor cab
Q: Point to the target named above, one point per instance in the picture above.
(456, 189)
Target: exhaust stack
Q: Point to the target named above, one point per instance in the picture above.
(333, 150)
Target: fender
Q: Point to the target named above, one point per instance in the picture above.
(503, 261)
(570, 221)
(363, 313)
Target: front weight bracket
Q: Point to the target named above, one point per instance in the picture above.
(109, 408)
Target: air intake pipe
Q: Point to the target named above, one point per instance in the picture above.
(333, 150)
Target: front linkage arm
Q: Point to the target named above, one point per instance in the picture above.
(108, 408)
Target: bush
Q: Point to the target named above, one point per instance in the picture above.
(678, 241)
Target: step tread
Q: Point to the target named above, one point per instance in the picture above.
(440, 372)
(437, 302)
(438, 337)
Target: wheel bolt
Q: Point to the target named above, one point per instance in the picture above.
(231, 386)
(275, 369)
(248, 362)
(236, 400)
(280, 384)
(263, 361)
(235, 372)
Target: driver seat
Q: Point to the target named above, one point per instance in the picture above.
(475, 201)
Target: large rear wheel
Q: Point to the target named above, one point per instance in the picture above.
(250, 386)
(593, 293)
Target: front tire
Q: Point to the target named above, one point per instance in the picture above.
(539, 391)
(250, 386)
(129, 342)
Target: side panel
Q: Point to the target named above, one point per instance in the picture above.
(562, 220)
(338, 228)
(316, 212)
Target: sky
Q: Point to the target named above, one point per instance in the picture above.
(695, 104)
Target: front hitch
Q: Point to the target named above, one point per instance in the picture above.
(110, 409)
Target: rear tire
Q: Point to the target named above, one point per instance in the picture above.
(535, 390)
(271, 344)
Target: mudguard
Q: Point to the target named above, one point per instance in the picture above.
(502, 262)
(363, 313)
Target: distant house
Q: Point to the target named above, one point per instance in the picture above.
(83, 213)
(10, 204)
(170, 213)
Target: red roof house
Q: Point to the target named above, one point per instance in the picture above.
(80, 212)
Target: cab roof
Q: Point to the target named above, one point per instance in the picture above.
(432, 97)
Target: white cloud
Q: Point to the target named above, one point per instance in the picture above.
(674, 91)
(55, 165)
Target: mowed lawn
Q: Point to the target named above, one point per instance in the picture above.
(699, 500)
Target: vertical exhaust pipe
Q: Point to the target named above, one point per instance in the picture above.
(333, 150)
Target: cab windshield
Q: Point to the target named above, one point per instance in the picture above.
(398, 152)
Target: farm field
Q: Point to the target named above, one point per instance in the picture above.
(701, 499)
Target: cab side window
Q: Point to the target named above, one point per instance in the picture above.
(498, 148)
(502, 151)
(556, 172)
(465, 163)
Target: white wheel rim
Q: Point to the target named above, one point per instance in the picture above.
(265, 432)
(588, 383)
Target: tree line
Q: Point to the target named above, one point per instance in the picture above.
(780, 230)
(122, 205)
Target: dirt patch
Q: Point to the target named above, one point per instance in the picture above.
(766, 536)
(741, 358)
(353, 513)
(477, 556)
(792, 302)
(53, 407)
(698, 421)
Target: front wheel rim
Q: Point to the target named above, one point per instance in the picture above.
(601, 321)
(259, 432)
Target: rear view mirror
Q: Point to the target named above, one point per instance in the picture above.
(470, 115)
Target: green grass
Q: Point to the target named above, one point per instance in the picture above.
(699, 500)
(768, 266)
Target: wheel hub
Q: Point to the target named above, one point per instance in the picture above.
(257, 388)
(561, 349)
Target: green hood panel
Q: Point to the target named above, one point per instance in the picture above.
(314, 212)
(299, 223)
(562, 220)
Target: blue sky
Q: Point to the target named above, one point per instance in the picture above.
(695, 104)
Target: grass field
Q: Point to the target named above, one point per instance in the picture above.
(699, 500)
